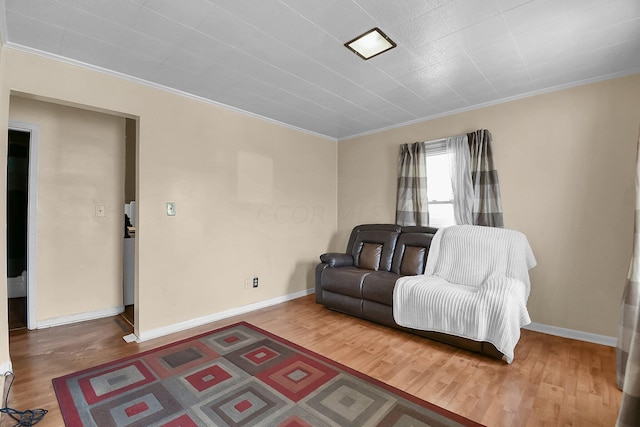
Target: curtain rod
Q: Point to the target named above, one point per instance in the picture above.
(444, 139)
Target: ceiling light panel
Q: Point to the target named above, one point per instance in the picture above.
(372, 43)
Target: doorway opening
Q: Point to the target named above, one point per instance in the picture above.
(17, 219)
(130, 220)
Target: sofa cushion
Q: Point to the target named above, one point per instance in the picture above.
(379, 286)
(387, 239)
(370, 256)
(413, 260)
(344, 280)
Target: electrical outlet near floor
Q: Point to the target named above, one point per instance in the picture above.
(255, 282)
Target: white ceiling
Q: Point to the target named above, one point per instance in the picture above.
(285, 59)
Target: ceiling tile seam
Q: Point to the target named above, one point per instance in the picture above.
(515, 41)
(426, 13)
(303, 112)
(63, 29)
(66, 23)
(158, 86)
(399, 83)
(144, 6)
(31, 17)
(446, 83)
(606, 27)
(317, 62)
(514, 7)
(498, 101)
(174, 46)
(66, 30)
(452, 32)
(131, 28)
(119, 27)
(313, 23)
(610, 45)
(142, 55)
(83, 8)
(480, 71)
(431, 9)
(288, 107)
(426, 101)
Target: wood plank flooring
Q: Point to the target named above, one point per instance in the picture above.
(552, 382)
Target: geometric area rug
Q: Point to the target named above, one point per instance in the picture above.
(239, 375)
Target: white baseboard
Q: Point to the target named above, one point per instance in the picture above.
(5, 367)
(80, 317)
(572, 333)
(188, 324)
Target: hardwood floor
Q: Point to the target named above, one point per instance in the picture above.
(553, 381)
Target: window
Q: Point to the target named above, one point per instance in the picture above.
(435, 185)
(439, 188)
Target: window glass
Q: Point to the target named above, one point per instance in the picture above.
(439, 189)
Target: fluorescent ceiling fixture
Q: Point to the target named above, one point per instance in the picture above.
(370, 44)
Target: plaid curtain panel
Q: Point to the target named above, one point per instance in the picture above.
(628, 346)
(487, 207)
(412, 207)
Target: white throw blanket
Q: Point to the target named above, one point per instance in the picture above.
(476, 285)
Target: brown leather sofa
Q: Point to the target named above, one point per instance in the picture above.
(360, 282)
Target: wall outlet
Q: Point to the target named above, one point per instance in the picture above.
(255, 282)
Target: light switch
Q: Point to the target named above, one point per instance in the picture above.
(100, 211)
(171, 208)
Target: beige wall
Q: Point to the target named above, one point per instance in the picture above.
(566, 163)
(253, 198)
(131, 133)
(80, 165)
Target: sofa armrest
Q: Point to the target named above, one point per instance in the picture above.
(319, 269)
(334, 259)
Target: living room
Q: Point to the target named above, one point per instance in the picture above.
(255, 198)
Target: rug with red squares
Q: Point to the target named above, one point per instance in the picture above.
(239, 375)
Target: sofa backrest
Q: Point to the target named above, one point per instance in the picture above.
(412, 249)
(372, 245)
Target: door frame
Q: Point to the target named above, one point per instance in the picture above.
(32, 218)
